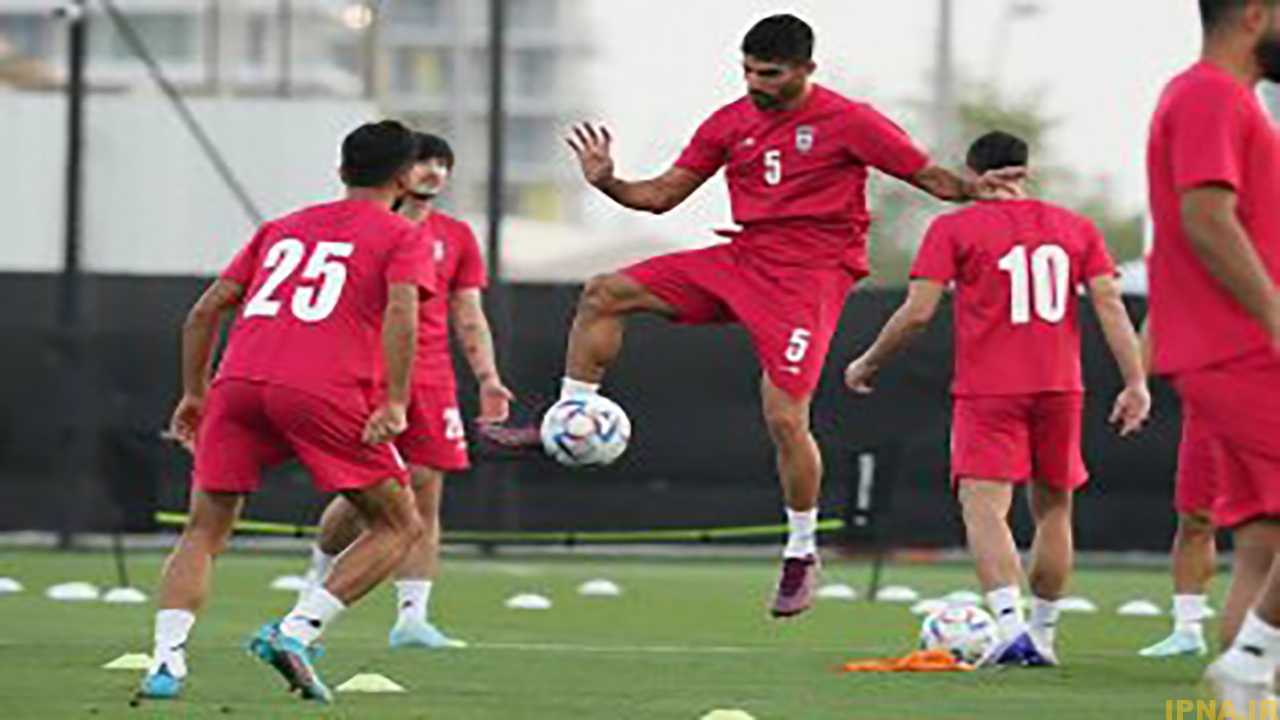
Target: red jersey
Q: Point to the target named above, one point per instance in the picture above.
(458, 266)
(1016, 265)
(1208, 129)
(315, 292)
(798, 179)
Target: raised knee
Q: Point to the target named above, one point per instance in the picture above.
(601, 295)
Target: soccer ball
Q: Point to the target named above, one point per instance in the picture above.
(585, 431)
(966, 631)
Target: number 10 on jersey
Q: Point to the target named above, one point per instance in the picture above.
(1044, 279)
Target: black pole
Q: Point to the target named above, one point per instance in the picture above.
(70, 286)
(497, 113)
(498, 298)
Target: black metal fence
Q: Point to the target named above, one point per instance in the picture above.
(700, 455)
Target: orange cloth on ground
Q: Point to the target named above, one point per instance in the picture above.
(918, 661)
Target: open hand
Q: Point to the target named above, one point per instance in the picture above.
(186, 421)
(1132, 407)
(495, 401)
(592, 146)
(385, 423)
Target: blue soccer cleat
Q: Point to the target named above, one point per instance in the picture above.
(160, 685)
(292, 660)
(422, 635)
(1022, 651)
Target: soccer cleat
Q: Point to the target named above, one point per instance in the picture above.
(796, 586)
(292, 660)
(1022, 651)
(1228, 686)
(160, 685)
(422, 635)
(1178, 643)
(506, 442)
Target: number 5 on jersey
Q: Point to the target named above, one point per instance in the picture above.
(772, 167)
(307, 304)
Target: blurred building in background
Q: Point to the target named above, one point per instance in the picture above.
(426, 61)
(434, 71)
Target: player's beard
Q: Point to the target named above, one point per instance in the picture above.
(764, 101)
(1267, 52)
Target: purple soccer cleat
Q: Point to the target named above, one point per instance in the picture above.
(796, 586)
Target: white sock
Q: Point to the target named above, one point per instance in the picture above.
(802, 533)
(313, 613)
(570, 388)
(321, 562)
(1006, 605)
(1255, 654)
(171, 631)
(1044, 620)
(413, 597)
(1188, 614)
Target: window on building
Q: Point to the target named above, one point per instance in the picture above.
(532, 14)
(168, 37)
(533, 72)
(531, 140)
(24, 35)
(420, 12)
(421, 72)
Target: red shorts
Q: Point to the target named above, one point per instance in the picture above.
(436, 437)
(1199, 462)
(1240, 402)
(249, 426)
(790, 312)
(1019, 438)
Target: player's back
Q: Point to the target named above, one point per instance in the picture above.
(1016, 265)
(315, 290)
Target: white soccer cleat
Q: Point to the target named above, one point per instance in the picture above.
(1229, 685)
(1178, 643)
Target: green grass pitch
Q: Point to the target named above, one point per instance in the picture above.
(686, 637)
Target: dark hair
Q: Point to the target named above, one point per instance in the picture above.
(1213, 13)
(997, 150)
(374, 153)
(433, 146)
(780, 38)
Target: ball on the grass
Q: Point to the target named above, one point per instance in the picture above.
(589, 431)
(968, 632)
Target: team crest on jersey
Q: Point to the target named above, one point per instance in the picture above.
(804, 138)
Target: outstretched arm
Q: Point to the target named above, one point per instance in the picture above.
(471, 325)
(657, 195)
(1134, 402)
(946, 185)
(909, 321)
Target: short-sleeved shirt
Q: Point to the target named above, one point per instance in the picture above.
(458, 266)
(316, 285)
(1208, 130)
(1017, 266)
(797, 179)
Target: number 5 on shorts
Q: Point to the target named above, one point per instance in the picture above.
(797, 346)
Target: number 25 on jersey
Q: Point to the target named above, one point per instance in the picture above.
(308, 303)
(1044, 279)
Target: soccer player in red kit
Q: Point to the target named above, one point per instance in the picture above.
(1015, 264)
(1213, 169)
(313, 290)
(435, 441)
(796, 156)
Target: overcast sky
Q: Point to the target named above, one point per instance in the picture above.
(664, 65)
